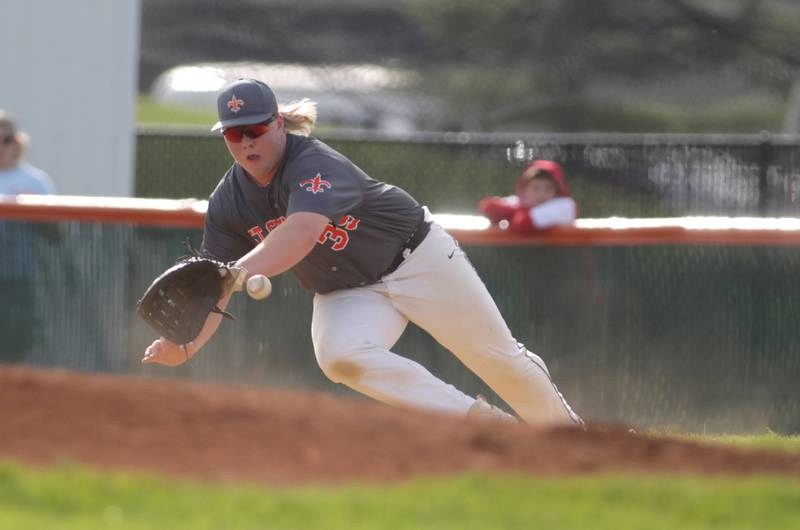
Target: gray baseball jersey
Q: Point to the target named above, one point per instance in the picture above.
(369, 220)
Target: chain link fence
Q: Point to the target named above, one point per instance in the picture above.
(696, 338)
(610, 175)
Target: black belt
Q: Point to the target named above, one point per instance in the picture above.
(411, 243)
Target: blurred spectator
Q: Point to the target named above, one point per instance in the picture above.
(16, 175)
(565, 277)
(542, 200)
(18, 317)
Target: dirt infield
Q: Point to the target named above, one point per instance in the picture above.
(232, 434)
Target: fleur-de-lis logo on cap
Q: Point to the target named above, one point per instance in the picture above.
(235, 104)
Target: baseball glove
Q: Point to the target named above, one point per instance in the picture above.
(179, 301)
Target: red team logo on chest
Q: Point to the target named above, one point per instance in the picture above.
(316, 185)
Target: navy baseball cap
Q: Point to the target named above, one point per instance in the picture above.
(245, 102)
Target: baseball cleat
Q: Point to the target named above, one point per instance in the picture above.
(482, 410)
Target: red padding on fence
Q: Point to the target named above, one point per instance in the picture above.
(468, 229)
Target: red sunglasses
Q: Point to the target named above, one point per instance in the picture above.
(235, 134)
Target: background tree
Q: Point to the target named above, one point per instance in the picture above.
(552, 58)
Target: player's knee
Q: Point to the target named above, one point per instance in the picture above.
(343, 371)
(338, 365)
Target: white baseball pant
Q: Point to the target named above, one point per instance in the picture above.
(437, 288)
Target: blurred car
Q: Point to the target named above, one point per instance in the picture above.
(363, 96)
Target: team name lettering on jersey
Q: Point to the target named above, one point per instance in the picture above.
(316, 185)
(272, 224)
(257, 233)
(339, 234)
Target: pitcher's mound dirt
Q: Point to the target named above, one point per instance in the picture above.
(272, 436)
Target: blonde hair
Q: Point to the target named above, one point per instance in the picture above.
(23, 140)
(299, 117)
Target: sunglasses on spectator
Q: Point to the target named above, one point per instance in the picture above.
(8, 139)
(235, 134)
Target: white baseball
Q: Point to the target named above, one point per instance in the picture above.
(259, 287)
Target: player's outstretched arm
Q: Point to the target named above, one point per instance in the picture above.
(286, 245)
(164, 351)
(281, 250)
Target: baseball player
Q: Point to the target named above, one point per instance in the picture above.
(374, 259)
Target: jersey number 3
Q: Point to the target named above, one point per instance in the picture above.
(339, 234)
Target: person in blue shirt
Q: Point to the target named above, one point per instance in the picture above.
(19, 322)
(16, 175)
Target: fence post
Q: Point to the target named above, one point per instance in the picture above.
(764, 159)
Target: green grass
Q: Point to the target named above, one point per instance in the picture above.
(745, 115)
(769, 440)
(70, 498)
(149, 112)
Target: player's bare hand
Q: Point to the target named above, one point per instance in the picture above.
(233, 279)
(165, 352)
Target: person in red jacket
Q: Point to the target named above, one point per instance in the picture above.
(542, 200)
